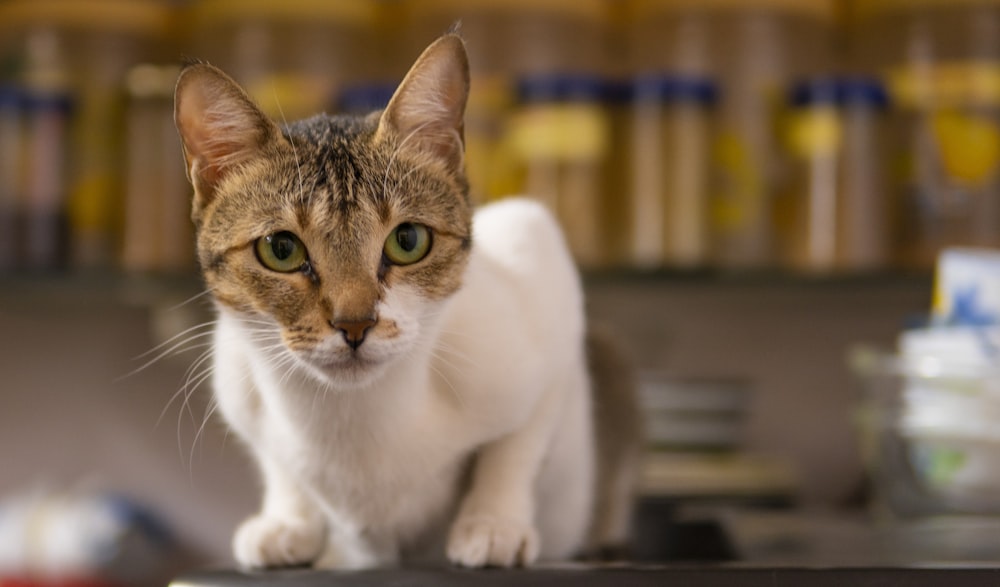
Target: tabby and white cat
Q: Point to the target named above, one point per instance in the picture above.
(411, 378)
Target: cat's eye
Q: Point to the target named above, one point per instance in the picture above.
(282, 251)
(407, 243)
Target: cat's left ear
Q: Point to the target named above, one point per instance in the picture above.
(220, 127)
(427, 112)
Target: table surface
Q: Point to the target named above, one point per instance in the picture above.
(775, 549)
(686, 576)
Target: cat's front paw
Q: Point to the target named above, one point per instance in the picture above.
(264, 542)
(481, 540)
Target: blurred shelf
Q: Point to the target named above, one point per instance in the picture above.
(719, 278)
(87, 288)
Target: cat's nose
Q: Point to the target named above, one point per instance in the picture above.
(354, 330)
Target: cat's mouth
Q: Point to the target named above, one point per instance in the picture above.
(351, 367)
(346, 361)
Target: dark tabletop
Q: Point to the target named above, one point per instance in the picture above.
(679, 576)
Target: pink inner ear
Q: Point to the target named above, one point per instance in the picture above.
(219, 126)
(428, 109)
(220, 145)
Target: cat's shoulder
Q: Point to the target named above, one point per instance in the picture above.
(521, 295)
(518, 241)
(516, 228)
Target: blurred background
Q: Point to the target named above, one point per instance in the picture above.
(760, 193)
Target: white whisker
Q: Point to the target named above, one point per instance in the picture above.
(194, 443)
(395, 155)
(295, 151)
(454, 392)
(191, 299)
(174, 348)
(184, 389)
(453, 352)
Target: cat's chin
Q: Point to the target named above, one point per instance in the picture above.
(348, 373)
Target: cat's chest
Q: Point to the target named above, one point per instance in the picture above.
(360, 455)
(397, 481)
(338, 435)
(391, 455)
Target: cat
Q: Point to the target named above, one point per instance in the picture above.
(411, 376)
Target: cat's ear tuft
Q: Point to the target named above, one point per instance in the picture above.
(427, 112)
(219, 124)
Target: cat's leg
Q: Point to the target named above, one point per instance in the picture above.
(495, 525)
(288, 531)
(564, 488)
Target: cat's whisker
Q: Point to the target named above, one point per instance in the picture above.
(430, 364)
(247, 320)
(388, 168)
(191, 387)
(187, 403)
(188, 376)
(289, 368)
(457, 353)
(413, 169)
(170, 402)
(276, 356)
(193, 380)
(227, 430)
(321, 394)
(446, 361)
(177, 344)
(439, 362)
(272, 351)
(258, 324)
(329, 389)
(295, 151)
(416, 131)
(260, 330)
(188, 390)
(455, 393)
(265, 342)
(197, 296)
(450, 362)
(189, 346)
(395, 154)
(212, 407)
(457, 333)
(261, 333)
(288, 363)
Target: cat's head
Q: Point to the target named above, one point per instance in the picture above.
(340, 235)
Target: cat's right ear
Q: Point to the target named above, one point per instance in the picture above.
(220, 127)
(427, 111)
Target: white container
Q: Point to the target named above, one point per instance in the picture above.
(930, 424)
(967, 287)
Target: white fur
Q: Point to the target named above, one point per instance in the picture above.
(365, 469)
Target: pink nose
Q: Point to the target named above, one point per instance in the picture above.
(354, 331)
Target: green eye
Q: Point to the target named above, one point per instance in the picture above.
(408, 243)
(282, 251)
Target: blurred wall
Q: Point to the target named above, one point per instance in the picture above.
(70, 414)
